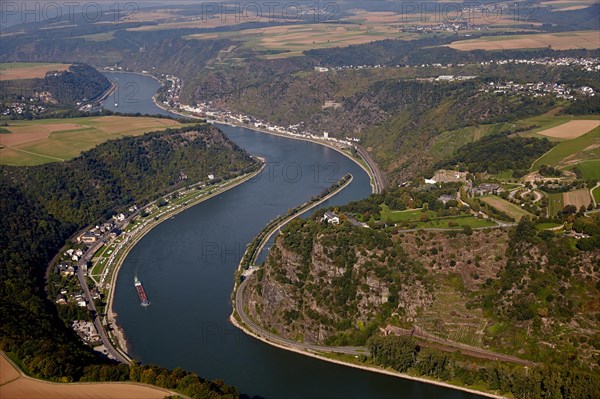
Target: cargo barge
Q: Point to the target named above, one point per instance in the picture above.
(141, 293)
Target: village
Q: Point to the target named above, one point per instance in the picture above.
(94, 254)
(209, 111)
(584, 64)
(72, 267)
(537, 89)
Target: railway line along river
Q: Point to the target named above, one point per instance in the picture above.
(187, 265)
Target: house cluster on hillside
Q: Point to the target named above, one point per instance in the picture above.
(172, 89)
(20, 108)
(485, 189)
(109, 228)
(585, 64)
(209, 111)
(536, 89)
(447, 26)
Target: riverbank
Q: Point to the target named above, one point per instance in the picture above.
(372, 179)
(376, 187)
(373, 369)
(116, 333)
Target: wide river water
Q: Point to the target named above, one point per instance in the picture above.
(187, 265)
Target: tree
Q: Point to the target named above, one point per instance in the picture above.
(398, 352)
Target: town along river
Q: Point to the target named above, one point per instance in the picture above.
(187, 263)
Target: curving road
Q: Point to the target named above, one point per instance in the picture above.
(92, 308)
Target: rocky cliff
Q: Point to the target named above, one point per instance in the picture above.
(493, 289)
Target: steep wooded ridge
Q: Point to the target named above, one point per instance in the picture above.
(42, 206)
(517, 291)
(80, 83)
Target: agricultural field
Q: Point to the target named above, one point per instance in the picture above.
(446, 143)
(455, 222)
(571, 152)
(556, 41)
(292, 40)
(449, 318)
(49, 140)
(571, 130)
(427, 16)
(173, 18)
(512, 210)
(28, 70)
(14, 385)
(578, 198)
(547, 225)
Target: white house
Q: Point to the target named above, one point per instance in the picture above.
(331, 217)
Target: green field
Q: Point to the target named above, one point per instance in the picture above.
(555, 203)
(415, 215)
(460, 221)
(512, 210)
(596, 194)
(590, 169)
(447, 142)
(410, 215)
(547, 225)
(579, 149)
(50, 140)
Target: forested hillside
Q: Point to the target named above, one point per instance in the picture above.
(42, 206)
(80, 83)
(496, 153)
(517, 291)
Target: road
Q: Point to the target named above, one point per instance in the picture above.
(87, 256)
(378, 180)
(97, 321)
(258, 330)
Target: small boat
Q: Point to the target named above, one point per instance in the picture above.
(116, 105)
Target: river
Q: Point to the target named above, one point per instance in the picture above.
(187, 266)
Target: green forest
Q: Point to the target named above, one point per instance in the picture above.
(405, 355)
(42, 206)
(496, 153)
